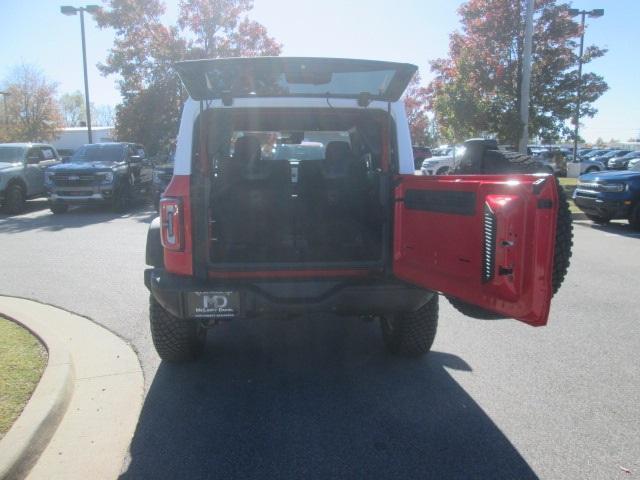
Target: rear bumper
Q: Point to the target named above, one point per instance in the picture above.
(346, 297)
(606, 208)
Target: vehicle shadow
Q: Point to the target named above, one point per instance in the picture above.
(30, 206)
(315, 398)
(76, 217)
(621, 228)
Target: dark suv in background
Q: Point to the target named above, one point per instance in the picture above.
(605, 196)
(420, 154)
(111, 173)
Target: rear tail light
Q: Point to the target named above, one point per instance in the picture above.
(171, 218)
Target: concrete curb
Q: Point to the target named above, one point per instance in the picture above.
(82, 415)
(32, 430)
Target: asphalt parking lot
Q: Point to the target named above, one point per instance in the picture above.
(317, 397)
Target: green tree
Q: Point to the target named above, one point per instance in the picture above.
(145, 50)
(31, 109)
(477, 88)
(72, 108)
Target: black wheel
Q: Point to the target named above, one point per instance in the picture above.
(443, 171)
(411, 334)
(58, 208)
(175, 339)
(634, 219)
(564, 241)
(474, 311)
(15, 198)
(592, 169)
(597, 219)
(561, 260)
(121, 199)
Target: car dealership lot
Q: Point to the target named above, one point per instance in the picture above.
(317, 397)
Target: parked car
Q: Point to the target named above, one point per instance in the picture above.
(604, 158)
(605, 196)
(588, 166)
(162, 173)
(633, 163)
(358, 233)
(596, 153)
(583, 151)
(443, 163)
(111, 173)
(552, 161)
(420, 154)
(22, 168)
(621, 163)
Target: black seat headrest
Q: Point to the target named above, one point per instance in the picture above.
(338, 151)
(247, 150)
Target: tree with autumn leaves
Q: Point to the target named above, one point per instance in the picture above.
(416, 106)
(145, 50)
(30, 112)
(477, 88)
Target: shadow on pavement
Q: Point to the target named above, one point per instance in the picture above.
(76, 217)
(621, 228)
(315, 398)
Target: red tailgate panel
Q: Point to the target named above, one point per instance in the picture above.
(487, 240)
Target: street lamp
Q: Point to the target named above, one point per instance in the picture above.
(4, 101)
(574, 12)
(67, 10)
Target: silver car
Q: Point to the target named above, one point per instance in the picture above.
(588, 165)
(22, 168)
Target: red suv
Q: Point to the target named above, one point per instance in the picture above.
(247, 230)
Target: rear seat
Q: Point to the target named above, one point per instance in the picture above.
(252, 202)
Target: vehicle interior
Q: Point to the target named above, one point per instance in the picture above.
(296, 186)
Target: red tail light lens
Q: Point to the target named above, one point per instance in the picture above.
(171, 219)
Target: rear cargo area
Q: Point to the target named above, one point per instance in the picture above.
(296, 187)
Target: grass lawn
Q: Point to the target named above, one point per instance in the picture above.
(568, 182)
(22, 361)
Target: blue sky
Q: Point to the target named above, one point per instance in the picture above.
(414, 31)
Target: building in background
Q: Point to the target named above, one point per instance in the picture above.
(71, 138)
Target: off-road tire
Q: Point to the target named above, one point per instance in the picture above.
(474, 311)
(15, 198)
(597, 219)
(561, 260)
(411, 334)
(176, 340)
(443, 171)
(564, 241)
(59, 208)
(634, 218)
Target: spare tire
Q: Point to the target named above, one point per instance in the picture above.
(495, 162)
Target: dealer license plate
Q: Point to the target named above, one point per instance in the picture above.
(212, 304)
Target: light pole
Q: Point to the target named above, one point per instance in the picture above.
(525, 87)
(67, 10)
(574, 12)
(4, 101)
